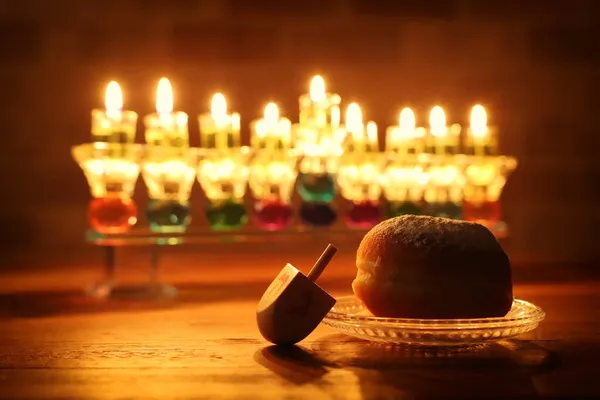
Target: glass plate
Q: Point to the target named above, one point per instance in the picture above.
(351, 317)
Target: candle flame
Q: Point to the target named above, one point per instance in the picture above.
(261, 132)
(317, 89)
(353, 118)
(236, 122)
(164, 97)
(113, 98)
(407, 121)
(218, 107)
(437, 121)
(271, 114)
(335, 116)
(478, 121)
(372, 131)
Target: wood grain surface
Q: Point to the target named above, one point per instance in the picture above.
(57, 344)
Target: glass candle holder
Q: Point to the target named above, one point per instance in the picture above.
(317, 214)
(271, 137)
(114, 126)
(111, 171)
(485, 180)
(223, 175)
(219, 133)
(271, 181)
(481, 139)
(325, 142)
(169, 174)
(479, 144)
(446, 141)
(317, 168)
(405, 141)
(316, 182)
(166, 130)
(320, 112)
(403, 183)
(359, 182)
(445, 187)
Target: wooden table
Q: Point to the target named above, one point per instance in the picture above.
(58, 344)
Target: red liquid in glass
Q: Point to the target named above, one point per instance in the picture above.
(363, 215)
(112, 214)
(486, 213)
(272, 215)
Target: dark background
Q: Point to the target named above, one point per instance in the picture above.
(533, 63)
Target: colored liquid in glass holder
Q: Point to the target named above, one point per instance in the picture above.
(316, 187)
(226, 215)
(318, 214)
(168, 215)
(112, 215)
(487, 212)
(272, 214)
(363, 215)
(445, 210)
(398, 208)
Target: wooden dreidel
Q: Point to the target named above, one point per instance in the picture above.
(294, 304)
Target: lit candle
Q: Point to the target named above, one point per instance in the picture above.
(113, 124)
(438, 128)
(271, 116)
(372, 138)
(218, 109)
(407, 123)
(405, 138)
(113, 100)
(166, 128)
(218, 129)
(355, 140)
(317, 89)
(271, 132)
(398, 136)
(480, 137)
(443, 139)
(318, 108)
(164, 99)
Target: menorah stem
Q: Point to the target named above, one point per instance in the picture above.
(110, 264)
(154, 264)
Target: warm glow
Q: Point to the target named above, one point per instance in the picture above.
(164, 97)
(372, 131)
(353, 118)
(271, 114)
(235, 122)
(285, 125)
(261, 132)
(317, 89)
(113, 98)
(407, 122)
(437, 121)
(225, 168)
(478, 121)
(335, 116)
(218, 107)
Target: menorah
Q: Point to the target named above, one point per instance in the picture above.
(440, 171)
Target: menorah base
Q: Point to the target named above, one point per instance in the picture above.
(109, 289)
(151, 289)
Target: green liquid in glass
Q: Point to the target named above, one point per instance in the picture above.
(168, 215)
(316, 188)
(226, 215)
(396, 209)
(445, 210)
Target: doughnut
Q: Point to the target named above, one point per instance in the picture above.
(432, 268)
